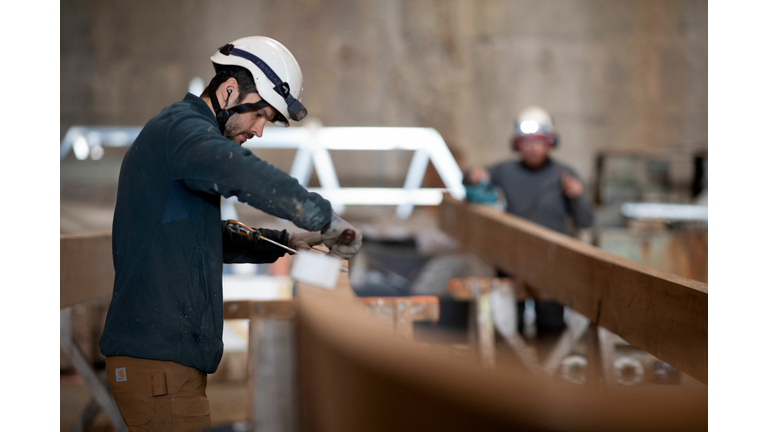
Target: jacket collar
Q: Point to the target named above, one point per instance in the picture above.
(200, 106)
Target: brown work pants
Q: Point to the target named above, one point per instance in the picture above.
(155, 395)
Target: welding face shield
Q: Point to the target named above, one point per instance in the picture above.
(275, 72)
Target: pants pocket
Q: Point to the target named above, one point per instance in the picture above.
(190, 399)
(131, 383)
(159, 385)
(136, 408)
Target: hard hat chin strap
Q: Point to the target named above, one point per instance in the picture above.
(296, 110)
(223, 115)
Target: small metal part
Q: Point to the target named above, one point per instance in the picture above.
(574, 369)
(242, 229)
(630, 370)
(261, 237)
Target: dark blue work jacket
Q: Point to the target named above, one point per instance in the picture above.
(168, 246)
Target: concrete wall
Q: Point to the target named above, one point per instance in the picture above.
(616, 74)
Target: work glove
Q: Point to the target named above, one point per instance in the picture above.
(337, 237)
(304, 240)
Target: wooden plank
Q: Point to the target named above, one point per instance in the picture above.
(86, 269)
(468, 288)
(683, 252)
(486, 335)
(398, 313)
(661, 313)
(272, 375)
(403, 319)
(500, 296)
(356, 375)
(461, 288)
(271, 361)
(249, 309)
(424, 308)
(420, 308)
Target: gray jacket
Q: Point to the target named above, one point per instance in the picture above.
(537, 195)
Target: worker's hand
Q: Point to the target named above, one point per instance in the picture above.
(478, 175)
(338, 237)
(572, 187)
(304, 240)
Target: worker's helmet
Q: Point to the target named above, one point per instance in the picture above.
(275, 72)
(534, 121)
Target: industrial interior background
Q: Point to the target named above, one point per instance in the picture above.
(626, 81)
(615, 75)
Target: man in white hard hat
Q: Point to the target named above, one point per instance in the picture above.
(163, 332)
(539, 189)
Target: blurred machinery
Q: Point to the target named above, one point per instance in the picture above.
(482, 193)
(633, 367)
(641, 216)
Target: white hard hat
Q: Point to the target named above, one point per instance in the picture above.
(534, 121)
(275, 71)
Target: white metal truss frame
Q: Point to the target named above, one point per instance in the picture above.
(83, 139)
(101, 397)
(312, 145)
(665, 211)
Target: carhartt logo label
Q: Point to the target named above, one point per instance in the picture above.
(120, 374)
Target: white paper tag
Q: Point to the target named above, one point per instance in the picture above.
(316, 269)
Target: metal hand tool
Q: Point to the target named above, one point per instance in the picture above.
(239, 228)
(242, 229)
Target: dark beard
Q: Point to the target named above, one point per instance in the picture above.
(232, 129)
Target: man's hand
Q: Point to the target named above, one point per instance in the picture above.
(478, 175)
(572, 187)
(304, 240)
(340, 245)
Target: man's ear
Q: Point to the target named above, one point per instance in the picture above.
(228, 90)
